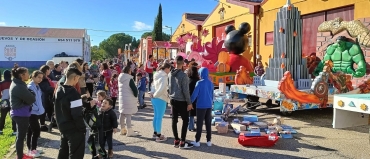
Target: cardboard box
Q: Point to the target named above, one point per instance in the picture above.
(239, 127)
(261, 125)
(222, 88)
(251, 118)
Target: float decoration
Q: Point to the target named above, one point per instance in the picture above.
(213, 49)
(167, 44)
(242, 76)
(235, 44)
(312, 62)
(344, 62)
(205, 32)
(288, 49)
(355, 28)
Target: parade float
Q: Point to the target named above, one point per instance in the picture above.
(220, 56)
(297, 83)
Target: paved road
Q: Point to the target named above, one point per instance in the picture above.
(315, 139)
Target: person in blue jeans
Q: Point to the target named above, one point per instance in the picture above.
(159, 95)
(203, 93)
(141, 86)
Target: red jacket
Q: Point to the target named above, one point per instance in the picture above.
(149, 70)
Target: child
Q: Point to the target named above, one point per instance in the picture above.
(109, 125)
(92, 120)
(114, 90)
(100, 86)
(37, 110)
(141, 87)
(203, 93)
(101, 95)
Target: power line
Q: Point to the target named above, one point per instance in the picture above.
(115, 31)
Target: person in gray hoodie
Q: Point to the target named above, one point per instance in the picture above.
(21, 100)
(180, 100)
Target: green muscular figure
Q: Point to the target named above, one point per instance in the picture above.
(344, 54)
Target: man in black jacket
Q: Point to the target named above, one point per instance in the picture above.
(69, 117)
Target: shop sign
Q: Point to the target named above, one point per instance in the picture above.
(10, 52)
(40, 39)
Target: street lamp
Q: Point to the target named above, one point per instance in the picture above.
(170, 29)
(127, 50)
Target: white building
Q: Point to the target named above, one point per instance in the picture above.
(32, 47)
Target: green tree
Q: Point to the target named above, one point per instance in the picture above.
(157, 30)
(114, 42)
(134, 43)
(166, 37)
(97, 53)
(146, 34)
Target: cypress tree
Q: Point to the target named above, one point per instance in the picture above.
(157, 30)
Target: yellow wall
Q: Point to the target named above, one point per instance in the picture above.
(237, 13)
(189, 27)
(271, 7)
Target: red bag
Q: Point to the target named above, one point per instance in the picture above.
(258, 141)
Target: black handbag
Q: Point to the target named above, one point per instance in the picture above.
(4, 104)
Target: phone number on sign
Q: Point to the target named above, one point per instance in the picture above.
(10, 51)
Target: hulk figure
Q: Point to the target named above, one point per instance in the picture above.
(344, 54)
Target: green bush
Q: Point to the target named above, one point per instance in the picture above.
(7, 140)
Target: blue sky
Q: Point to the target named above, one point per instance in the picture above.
(109, 15)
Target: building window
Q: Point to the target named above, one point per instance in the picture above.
(269, 38)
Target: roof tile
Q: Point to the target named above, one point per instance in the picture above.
(42, 32)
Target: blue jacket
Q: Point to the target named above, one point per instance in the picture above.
(203, 91)
(37, 107)
(142, 84)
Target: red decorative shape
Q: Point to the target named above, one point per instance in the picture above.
(213, 50)
(167, 44)
(238, 60)
(205, 32)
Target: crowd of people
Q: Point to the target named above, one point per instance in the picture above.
(63, 94)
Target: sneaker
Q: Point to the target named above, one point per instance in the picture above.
(14, 134)
(1, 132)
(196, 144)
(34, 153)
(176, 143)
(209, 143)
(25, 156)
(160, 139)
(144, 105)
(185, 145)
(155, 136)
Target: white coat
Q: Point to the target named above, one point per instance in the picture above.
(126, 100)
(160, 86)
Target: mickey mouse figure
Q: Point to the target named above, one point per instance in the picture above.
(235, 44)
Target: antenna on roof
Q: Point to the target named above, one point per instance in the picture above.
(288, 3)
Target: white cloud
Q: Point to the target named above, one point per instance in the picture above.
(138, 26)
(2, 23)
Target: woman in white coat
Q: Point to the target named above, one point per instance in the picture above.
(160, 98)
(127, 100)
